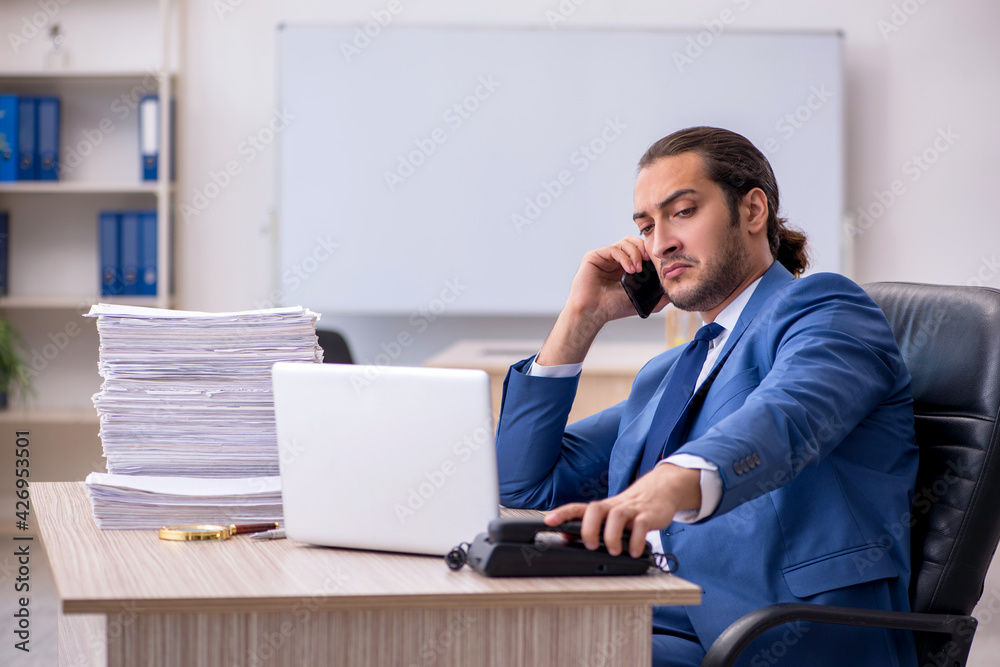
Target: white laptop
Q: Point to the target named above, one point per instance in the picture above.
(393, 459)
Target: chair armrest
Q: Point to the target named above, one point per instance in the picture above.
(732, 642)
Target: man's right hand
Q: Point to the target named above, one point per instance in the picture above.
(595, 298)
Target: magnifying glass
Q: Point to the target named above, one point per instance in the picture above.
(210, 532)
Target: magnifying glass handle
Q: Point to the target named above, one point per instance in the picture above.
(245, 528)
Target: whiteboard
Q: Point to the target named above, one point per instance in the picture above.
(467, 171)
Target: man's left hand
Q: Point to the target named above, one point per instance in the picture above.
(650, 503)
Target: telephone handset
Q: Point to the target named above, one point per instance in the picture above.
(526, 529)
(527, 547)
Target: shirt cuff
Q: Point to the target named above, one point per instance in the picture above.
(710, 482)
(560, 371)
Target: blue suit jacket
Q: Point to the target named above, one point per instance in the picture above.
(810, 422)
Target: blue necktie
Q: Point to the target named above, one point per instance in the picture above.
(677, 394)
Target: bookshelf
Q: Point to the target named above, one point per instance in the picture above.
(55, 187)
(116, 54)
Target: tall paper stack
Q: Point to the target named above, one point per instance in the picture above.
(188, 394)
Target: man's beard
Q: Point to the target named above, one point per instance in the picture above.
(720, 277)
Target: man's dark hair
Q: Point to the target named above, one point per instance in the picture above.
(736, 165)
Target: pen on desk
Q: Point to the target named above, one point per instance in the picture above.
(275, 534)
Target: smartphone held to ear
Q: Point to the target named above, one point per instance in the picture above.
(643, 288)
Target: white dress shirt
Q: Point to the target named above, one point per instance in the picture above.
(710, 481)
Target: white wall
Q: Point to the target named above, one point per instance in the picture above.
(912, 79)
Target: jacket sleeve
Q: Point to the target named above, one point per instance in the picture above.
(833, 361)
(542, 463)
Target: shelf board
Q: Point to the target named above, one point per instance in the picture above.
(21, 415)
(70, 75)
(71, 302)
(78, 187)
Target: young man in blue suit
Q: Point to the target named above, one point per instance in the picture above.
(787, 476)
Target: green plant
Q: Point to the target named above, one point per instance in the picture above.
(15, 378)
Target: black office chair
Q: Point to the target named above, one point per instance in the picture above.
(335, 349)
(950, 340)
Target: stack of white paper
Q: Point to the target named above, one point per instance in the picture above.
(187, 413)
(130, 502)
(188, 393)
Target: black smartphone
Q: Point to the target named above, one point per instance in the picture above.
(643, 288)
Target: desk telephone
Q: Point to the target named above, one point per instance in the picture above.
(526, 547)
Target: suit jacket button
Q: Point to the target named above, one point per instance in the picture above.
(756, 459)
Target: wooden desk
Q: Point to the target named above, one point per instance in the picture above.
(128, 598)
(606, 379)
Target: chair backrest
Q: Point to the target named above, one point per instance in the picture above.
(335, 348)
(950, 340)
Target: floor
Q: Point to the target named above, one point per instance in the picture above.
(42, 612)
(986, 646)
(41, 605)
